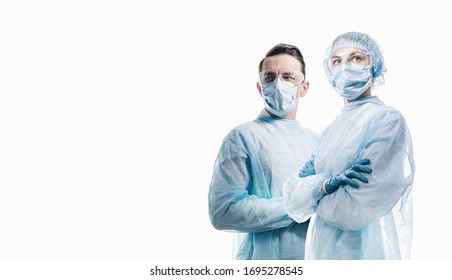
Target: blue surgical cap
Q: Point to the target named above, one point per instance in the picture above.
(365, 43)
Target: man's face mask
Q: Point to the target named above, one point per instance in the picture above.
(279, 90)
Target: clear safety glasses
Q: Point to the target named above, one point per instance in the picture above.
(287, 75)
(355, 58)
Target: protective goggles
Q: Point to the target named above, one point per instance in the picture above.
(356, 58)
(287, 75)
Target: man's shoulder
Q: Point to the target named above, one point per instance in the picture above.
(244, 128)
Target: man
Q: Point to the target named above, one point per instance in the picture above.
(256, 158)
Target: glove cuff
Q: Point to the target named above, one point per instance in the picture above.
(324, 187)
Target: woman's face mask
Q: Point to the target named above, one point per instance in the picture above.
(351, 81)
(349, 73)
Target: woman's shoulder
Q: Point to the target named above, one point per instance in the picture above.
(389, 112)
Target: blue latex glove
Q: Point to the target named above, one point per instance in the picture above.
(345, 178)
(308, 168)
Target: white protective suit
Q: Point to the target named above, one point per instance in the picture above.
(245, 195)
(373, 221)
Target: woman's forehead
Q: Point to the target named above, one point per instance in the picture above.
(347, 52)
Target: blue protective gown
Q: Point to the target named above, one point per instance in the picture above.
(253, 162)
(373, 221)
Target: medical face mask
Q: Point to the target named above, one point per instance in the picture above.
(350, 81)
(279, 97)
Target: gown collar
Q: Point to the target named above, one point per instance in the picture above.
(358, 103)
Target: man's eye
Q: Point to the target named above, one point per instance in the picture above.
(288, 77)
(269, 79)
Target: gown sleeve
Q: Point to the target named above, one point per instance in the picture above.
(232, 204)
(301, 196)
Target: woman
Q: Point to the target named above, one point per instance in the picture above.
(369, 142)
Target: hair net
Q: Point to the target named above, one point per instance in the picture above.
(365, 43)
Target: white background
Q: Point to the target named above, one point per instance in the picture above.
(112, 114)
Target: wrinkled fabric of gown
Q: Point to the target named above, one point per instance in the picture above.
(253, 162)
(373, 221)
